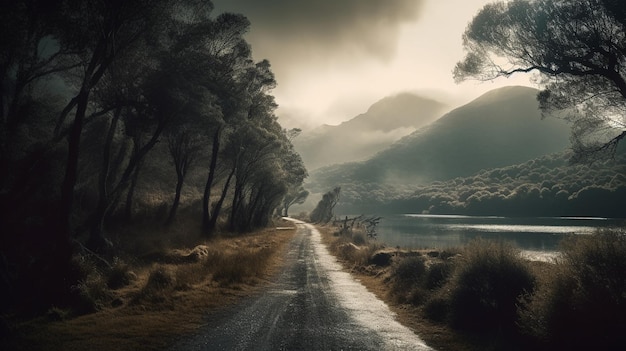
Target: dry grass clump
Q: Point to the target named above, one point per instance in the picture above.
(583, 303)
(120, 274)
(158, 288)
(407, 277)
(91, 293)
(238, 266)
(477, 290)
(142, 304)
(354, 247)
(94, 294)
(485, 296)
(188, 276)
(489, 280)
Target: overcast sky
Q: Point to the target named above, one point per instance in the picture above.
(334, 58)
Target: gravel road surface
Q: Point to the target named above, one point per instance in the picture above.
(313, 305)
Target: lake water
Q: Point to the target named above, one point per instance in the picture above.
(539, 234)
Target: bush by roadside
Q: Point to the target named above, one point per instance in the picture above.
(485, 296)
(583, 305)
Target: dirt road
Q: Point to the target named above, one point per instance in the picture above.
(313, 305)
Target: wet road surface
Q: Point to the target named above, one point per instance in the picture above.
(313, 305)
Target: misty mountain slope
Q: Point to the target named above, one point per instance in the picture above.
(503, 127)
(385, 122)
(546, 186)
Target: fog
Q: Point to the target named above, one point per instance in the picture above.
(333, 59)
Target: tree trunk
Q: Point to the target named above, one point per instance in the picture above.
(206, 215)
(253, 211)
(235, 208)
(96, 233)
(179, 188)
(218, 205)
(128, 210)
(71, 168)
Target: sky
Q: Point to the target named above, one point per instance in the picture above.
(335, 58)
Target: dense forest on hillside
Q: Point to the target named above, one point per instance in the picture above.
(546, 186)
(114, 111)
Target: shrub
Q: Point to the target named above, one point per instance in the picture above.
(161, 282)
(356, 249)
(120, 275)
(437, 308)
(238, 266)
(93, 294)
(359, 238)
(449, 253)
(409, 271)
(57, 314)
(585, 303)
(160, 278)
(189, 274)
(437, 275)
(406, 277)
(487, 285)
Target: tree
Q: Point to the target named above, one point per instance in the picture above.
(70, 45)
(101, 31)
(323, 212)
(226, 55)
(295, 195)
(184, 147)
(578, 50)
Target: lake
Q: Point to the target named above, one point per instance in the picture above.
(538, 234)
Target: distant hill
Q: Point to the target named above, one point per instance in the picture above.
(545, 186)
(501, 128)
(385, 122)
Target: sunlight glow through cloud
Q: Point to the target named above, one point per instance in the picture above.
(331, 71)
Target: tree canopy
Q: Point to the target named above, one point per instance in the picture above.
(92, 93)
(576, 48)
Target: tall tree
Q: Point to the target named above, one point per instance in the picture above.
(184, 146)
(295, 195)
(101, 31)
(578, 50)
(295, 174)
(323, 212)
(225, 55)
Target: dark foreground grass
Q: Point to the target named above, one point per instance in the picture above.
(144, 304)
(486, 297)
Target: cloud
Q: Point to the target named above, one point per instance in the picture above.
(324, 29)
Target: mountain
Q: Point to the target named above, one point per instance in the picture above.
(548, 186)
(502, 127)
(385, 122)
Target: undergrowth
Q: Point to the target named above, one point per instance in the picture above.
(497, 300)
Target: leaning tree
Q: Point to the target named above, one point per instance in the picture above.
(323, 212)
(576, 48)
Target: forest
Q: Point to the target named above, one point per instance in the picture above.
(118, 112)
(545, 186)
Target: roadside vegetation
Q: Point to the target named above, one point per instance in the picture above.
(122, 125)
(160, 289)
(485, 296)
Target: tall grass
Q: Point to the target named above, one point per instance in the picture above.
(407, 278)
(489, 280)
(500, 301)
(584, 303)
(238, 266)
(354, 247)
(158, 288)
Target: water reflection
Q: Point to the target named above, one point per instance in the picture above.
(443, 231)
